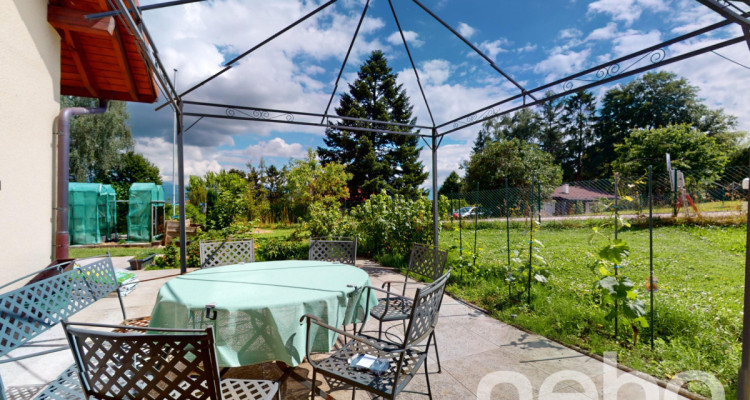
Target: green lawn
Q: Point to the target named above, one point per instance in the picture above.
(137, 252)
(698, 307)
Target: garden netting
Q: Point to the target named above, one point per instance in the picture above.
(146, 205)
(91, 213)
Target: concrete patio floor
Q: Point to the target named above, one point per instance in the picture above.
(472, 346)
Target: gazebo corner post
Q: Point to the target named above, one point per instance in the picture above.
(181, 184)
(743, 381)
(435, 196)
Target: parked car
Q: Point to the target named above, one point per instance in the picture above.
(466, 212)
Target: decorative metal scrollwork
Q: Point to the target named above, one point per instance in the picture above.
(615, 69)
(474, 117)
(260, 114)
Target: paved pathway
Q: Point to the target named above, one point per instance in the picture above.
(472, 346)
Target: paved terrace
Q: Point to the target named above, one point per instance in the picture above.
(472, 345)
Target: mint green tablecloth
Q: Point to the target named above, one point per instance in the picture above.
(259, 305)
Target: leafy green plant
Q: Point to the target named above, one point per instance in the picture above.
(530, 267)
(390, 224)
(291, 248)
(326, 219)
(618, 293)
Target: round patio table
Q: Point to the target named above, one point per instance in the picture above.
(258, 307)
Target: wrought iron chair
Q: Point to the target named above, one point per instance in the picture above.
(424, 261)
(404, 358)
(166, 363)
(53, 294)
(335, 249)
(218, 253)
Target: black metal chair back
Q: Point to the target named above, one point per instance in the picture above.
(163, 364)
(218, 253)
(424, 312)
(426, 262)
(334, 249)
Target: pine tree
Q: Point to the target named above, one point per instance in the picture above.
(376, 161)
(579, 117)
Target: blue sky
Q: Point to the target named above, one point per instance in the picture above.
(534, 42)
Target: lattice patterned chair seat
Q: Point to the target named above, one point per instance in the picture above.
(392, 309)
(218, 253)
(337, 366)
(334, 249)
(166, 363)
(404, 358)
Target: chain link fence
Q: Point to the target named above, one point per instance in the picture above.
(692, 195)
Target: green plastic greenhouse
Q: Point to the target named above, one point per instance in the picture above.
(92, 213)
(145, 212)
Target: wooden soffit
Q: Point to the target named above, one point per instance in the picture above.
(98, 57)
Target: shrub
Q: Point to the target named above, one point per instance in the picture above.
(290, 248)
(390, 224)
(326, 219)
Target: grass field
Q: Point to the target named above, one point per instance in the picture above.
(697, 308)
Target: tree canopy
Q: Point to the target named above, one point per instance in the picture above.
(376, 161)
(451, 185)
(655, 100)
(691, 150)
(512, 159)
(97, 142)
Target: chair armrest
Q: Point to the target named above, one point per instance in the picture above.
(311, 319)
(388, 293)
(389, 283)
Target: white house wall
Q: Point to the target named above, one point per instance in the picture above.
(29, 103)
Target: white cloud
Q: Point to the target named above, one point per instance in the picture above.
(466, 30)
(562, 62)
(198, 38)
(527, 48)
(632, 41)
(627, 11)
(570, 33)
(693, 16)
(275, 147)
(495, 47)
(198, 160)
(604, 33)
(434, 72)
(412, 38)
(718, 79)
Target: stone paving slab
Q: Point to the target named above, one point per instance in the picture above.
(473, 347)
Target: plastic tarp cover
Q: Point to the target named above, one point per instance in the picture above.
(143, 197)
(90, 212)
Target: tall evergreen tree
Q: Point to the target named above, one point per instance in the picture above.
(579, 117)
(376, 161)
(451, 185)
(550, 128)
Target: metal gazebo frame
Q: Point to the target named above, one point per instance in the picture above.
(732, 11)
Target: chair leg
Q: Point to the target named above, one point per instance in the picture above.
(427, 378)
(122, 306)
(312, 386)
(354, 392)
(437, 353)
(380, 329)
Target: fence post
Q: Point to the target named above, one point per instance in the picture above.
(674, 212)
(617, 198)
(539, 200)
(651, 250)
(476, 220)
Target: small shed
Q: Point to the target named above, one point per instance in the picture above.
(578, 200)
(145, 212)
(91, 212)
